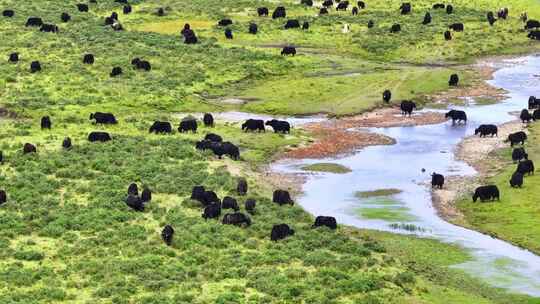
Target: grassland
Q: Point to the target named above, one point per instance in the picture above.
(516, 217)
(66, 235)
(327, 167)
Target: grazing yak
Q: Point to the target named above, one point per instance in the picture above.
(212, 211)
(525, 116)
(457, 116)
(438, 6)
(342, 6)
(46, 122)
(502, 13)
(103, 118)
(437, 180)
(197, 193)
(516, 138)
(126, 9)
(8, 13)
(485, 130)
(213, 137)
(279, 12)
(282, 197)
(219, 149)
(280, 232)
(427, 19)
(307, 2)
(449, 9)
(262, 11)
(532, 24)
(407, 107)
(454, 80)
(395, 28)
(370, 24)
(279, 126)
(237, 219)
(490, 18)
(66, 143)
(208, 120)
(116, 71)
(34, 21)
(292, 23)
(405, 8)
(167, 234)
(516, 181)
(387, 96)
(134, 202)
(361, 4)
(486, 193)
(83, 8)
(160, 12)
(188, 124)
(305, 25)
(525, 167)
(3, 197)
(65, 17)
(48, 28)
(139, 64)
(225, 22)
(13, 57)
(228, 34)
(230, 203)
(189, 35)
(133, 189)
(328, 221)
(327, 3)
(160, 127)
(99, 136)
(146, 195)
(253, 125)
(355, 11)
(323, 11)
(250, 205)
(288, 50)
(519, 154)
(242, 186)
(253, 28)
(29, 148)
(447, 35)
(88, 59)
(536, 114)
(35, 66)
(457, 27)
(533, 102)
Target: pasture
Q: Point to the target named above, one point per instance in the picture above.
(66, 234)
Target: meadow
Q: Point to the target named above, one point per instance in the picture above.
(66, 235)
(515, 217)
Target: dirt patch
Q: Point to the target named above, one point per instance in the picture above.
(341, 136)
(480, 153)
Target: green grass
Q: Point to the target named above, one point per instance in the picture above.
(67, 237)
(384, 208)
(430, 261)
(327, 167)
(515, 217)
(379, 192)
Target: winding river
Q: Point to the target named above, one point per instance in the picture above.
(399, 166)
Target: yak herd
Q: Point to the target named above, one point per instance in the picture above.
(210, 202)
(519, 155)
(279, 12)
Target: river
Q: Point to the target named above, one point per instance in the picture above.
(399, 167)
